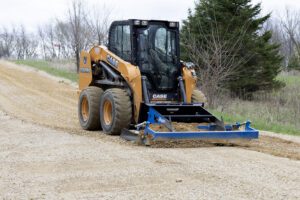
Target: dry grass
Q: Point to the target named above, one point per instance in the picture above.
(277, 111)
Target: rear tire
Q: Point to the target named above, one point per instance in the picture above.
(115, 111)
(198, 97)
(88, 108)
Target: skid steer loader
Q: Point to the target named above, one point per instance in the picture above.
(139, 81)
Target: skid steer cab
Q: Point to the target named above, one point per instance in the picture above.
(138, 81)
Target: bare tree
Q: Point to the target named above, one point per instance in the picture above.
(99, 23)
(62, 38)
(279, 36)
(76, 17)
(21, 43)
(6, 43)
(50, 35)
(62, 34)
(42, 38)
(49, 41)
(216, 60)
(1, 49)
(26, 45)
(290, 22)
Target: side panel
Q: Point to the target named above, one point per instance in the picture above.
(190, 83)
(85, 70)
(129, 72)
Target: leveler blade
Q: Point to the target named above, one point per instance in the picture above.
(129, 135)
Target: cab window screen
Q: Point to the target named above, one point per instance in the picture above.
(126, 50)
(120, 41)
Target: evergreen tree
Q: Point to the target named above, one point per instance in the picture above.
(227, 20)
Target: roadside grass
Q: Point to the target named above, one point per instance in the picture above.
(276, 111)
(53, 68)
(256, 122)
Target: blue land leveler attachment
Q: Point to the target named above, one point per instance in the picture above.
(209, 126)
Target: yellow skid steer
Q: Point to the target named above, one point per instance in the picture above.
(138, 81)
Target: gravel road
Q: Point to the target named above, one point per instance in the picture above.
(44, 154)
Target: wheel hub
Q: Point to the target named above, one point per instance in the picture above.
(85, 109)
(107, 115)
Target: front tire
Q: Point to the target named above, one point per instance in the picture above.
(88, 108)
(115, 111)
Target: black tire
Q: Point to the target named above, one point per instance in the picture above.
(115, 111)
(198, 97)
(89, 117)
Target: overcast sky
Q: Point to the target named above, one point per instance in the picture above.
(31, 13)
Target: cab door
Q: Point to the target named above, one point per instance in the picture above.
(120, 41)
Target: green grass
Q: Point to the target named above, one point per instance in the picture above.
(257, 123)
(289, 79)
(49, 68)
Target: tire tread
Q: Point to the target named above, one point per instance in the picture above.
(93, 95)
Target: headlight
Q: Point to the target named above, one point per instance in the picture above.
(189, 65)
(144, 23)
(173, 24)
(193, 72)
(137, 22)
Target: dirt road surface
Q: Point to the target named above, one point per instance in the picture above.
(44, 154)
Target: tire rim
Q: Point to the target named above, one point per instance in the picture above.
(85, 109)
(107, 115)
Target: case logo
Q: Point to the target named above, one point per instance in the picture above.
(159, 96)
(85, 70)
(112, 60)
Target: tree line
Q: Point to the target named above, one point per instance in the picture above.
(82, 27)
